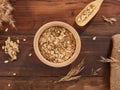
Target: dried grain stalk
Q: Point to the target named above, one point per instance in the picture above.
(95, 72)
(106, 60)
(5, 13)
(73, 73)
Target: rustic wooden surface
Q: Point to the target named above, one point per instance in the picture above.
(34, 75)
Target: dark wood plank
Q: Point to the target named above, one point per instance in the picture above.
(31, 66)
(30, 15)
(46, 83)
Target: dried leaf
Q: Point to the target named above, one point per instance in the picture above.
(30, 54)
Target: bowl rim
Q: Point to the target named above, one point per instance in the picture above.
(68, 27)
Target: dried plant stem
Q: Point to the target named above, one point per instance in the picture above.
(68, 79)
(108, 60)
(72, 74)
(96, 71)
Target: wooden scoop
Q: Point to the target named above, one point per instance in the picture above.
(88, 12)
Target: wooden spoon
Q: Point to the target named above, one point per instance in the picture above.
(88, 12)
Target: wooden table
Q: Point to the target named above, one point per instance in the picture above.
(31, 74)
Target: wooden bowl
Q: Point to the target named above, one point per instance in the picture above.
(60, 24)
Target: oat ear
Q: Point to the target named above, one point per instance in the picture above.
(6, 13)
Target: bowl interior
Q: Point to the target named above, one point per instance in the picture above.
(68, 27)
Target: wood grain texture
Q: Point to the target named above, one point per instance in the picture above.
(31, 66)
(47, 83)
(30, 15)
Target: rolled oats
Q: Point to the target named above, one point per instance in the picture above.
(6, 61)
(18, 41)
(30, 54)
(24, 39)
(6, 29)
(57, 44)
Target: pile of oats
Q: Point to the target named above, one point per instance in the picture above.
(57, 44)
(11, 48)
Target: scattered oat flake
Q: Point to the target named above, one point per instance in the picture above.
(18, 41)
(30, 54)
(3, 47)
(94, 38)
(24, 39)
(14, 74)
(6, 61)
(9, 85)
(6, 29)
